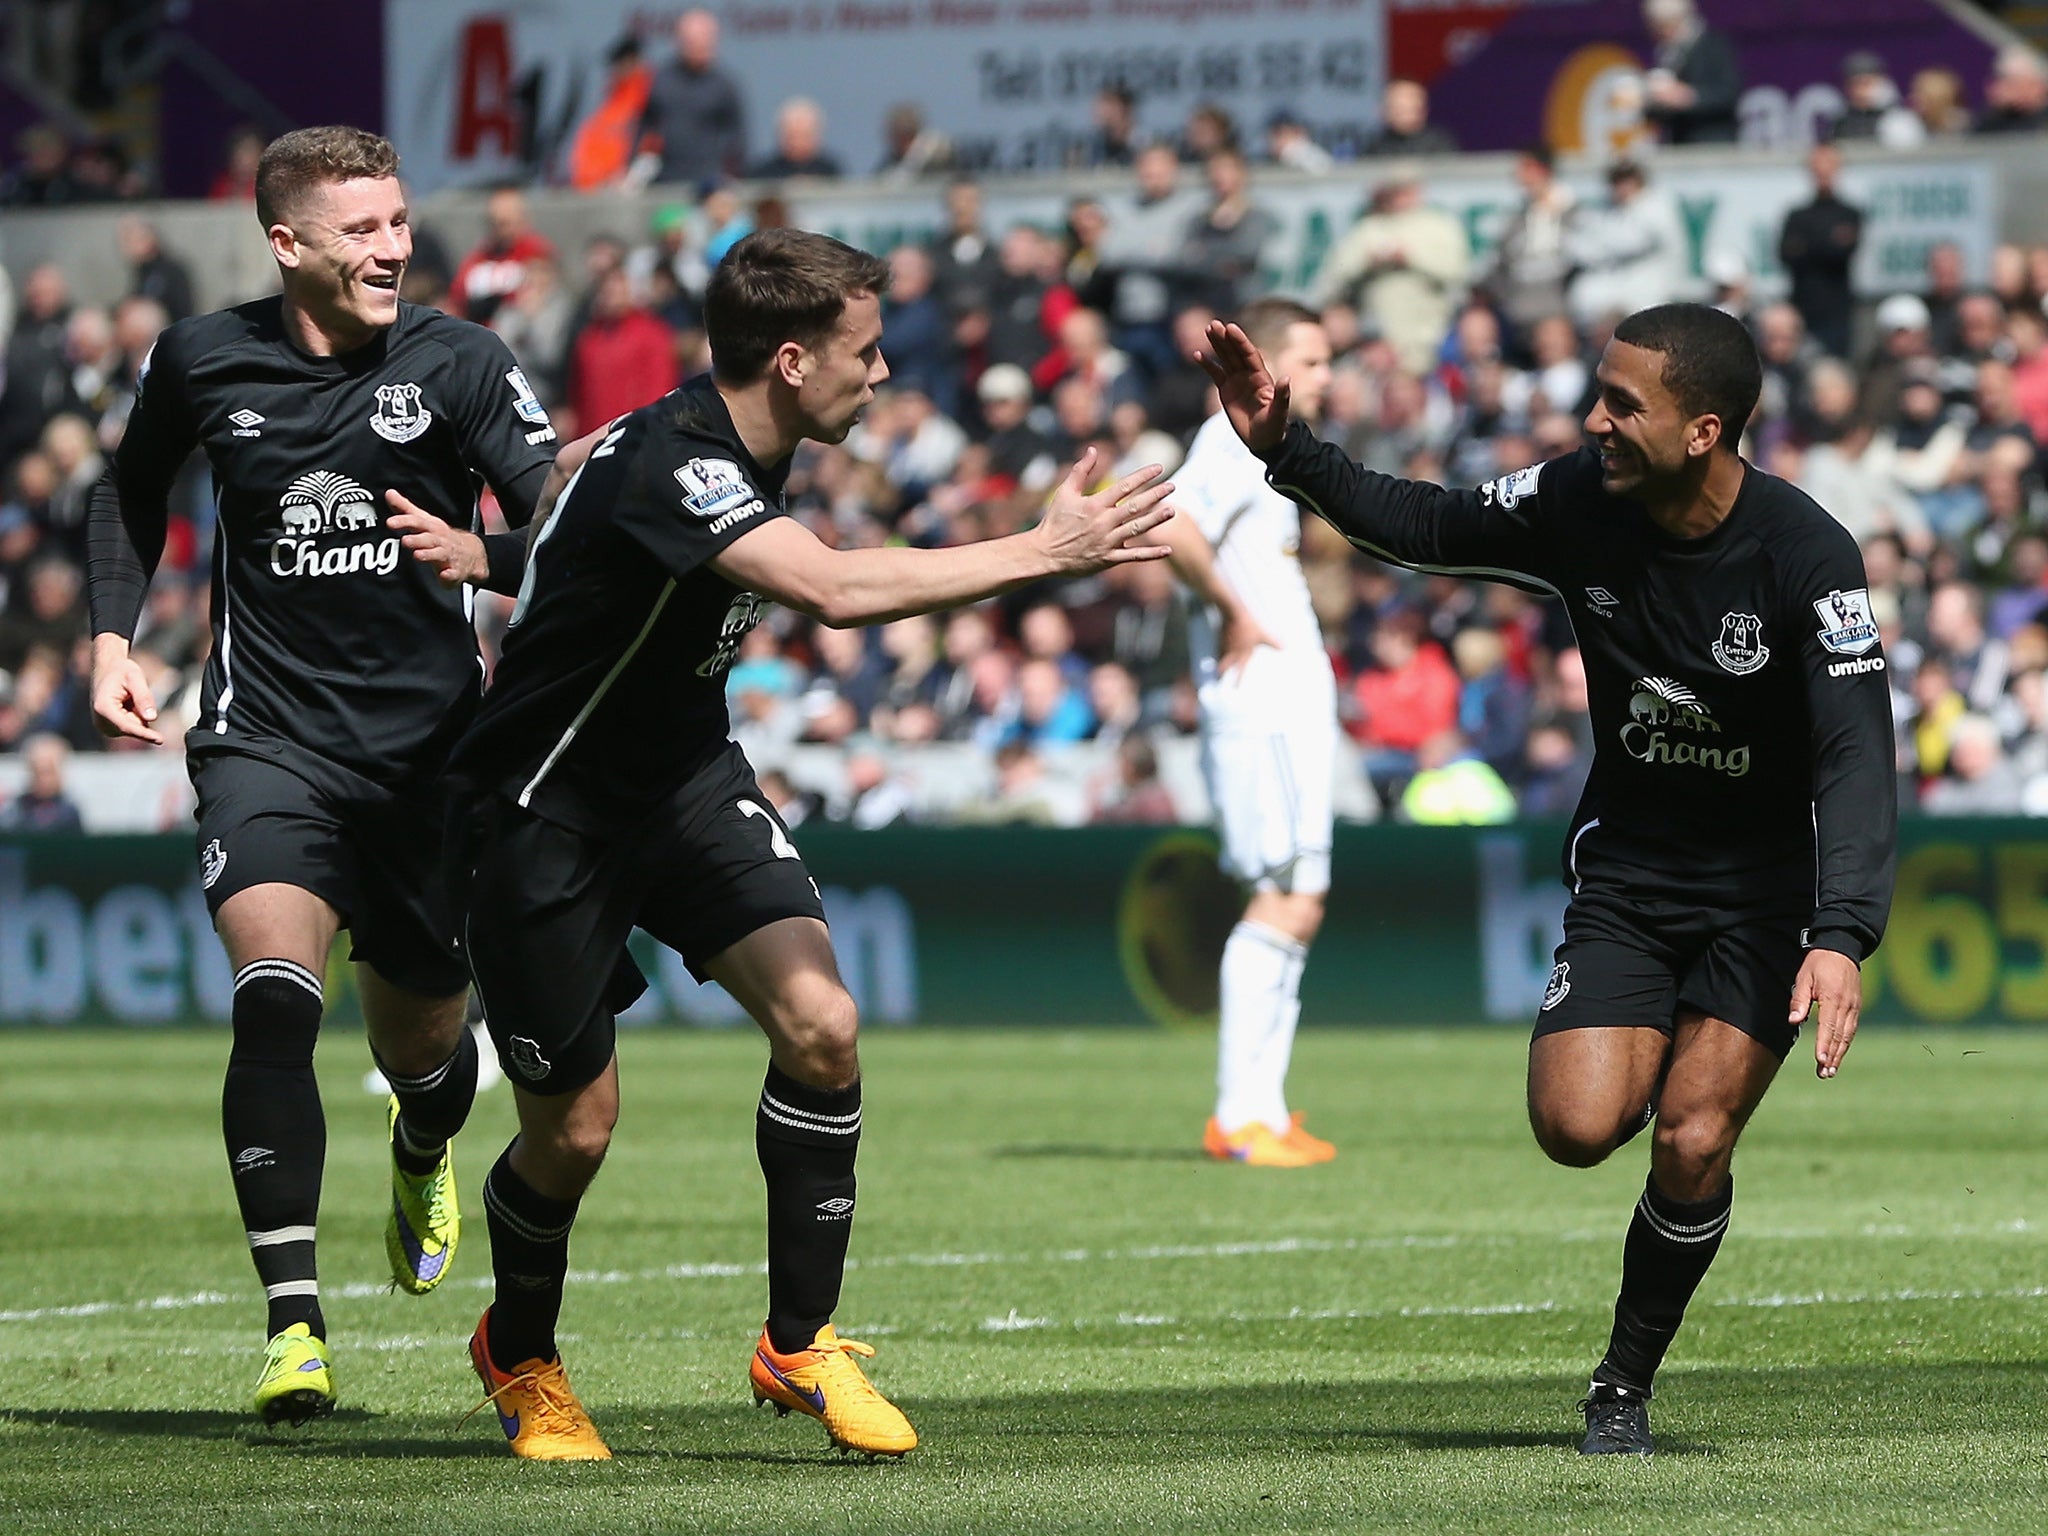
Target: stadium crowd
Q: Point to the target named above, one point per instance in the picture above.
(1917, 419)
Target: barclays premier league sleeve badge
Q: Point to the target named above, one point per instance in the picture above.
(1846, 625)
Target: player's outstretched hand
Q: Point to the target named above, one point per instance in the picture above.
(1084, 533)
(122, 702)
(1253, 399)
(1831, 986)
(456, 554)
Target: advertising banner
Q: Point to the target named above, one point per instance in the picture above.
(1009, 81)
(1116, 926)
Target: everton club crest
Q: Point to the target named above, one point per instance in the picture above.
(400, 417)
(1741, 648)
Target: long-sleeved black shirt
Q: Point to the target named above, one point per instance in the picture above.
(1736, 684)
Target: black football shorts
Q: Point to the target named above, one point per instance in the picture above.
(373, 855)
(549, 910)
(1630, 961)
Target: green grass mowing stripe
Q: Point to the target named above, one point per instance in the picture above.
(1224, 1349)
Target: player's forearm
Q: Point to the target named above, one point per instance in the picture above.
(1400, 520)
(124, 540)
(1855, 816)
(873, 586)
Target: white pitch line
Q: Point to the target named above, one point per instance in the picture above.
(359, 1290)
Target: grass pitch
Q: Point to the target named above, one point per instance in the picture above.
(1094, 1328)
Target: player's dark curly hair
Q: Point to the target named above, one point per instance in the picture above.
(781, 285)
(294, 163)
(1711, 365)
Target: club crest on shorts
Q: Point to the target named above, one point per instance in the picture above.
(527, 1060)
(213, 859)
(400, 417)
(1558, 986)
(1741, 648)
(1847, 626)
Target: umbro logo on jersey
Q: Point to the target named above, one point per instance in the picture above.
(400, 417)
(838, 1208)
(1602, 601)
(246, 423)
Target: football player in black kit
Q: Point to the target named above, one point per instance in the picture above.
(343, 669)
(1731, 861)
(604, 793)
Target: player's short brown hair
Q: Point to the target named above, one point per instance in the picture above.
(1267, 321)
(781, 285)
(293, 164)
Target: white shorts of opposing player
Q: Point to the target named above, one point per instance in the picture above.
(1269, 753)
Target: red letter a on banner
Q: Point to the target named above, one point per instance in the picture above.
(483, 103)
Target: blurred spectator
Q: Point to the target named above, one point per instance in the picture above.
(1817, 245)
(1403, 264)
(1532, 262)
(1291, 145)
(1976, 661)
(1691, 93)
(491, 274)
(695, 126)
(236, 182)
(37, 378)
(2016, 96)
(1145, 249)
(53, 617)
(1210, 130)
(910, 147)
(1947, 282)
(1023, 303)
(1902, 324)
(1051, 710)
(1405, 128)
(72, 449)
(1114, 140)
(964, 262)
(43, 179)
(1227, 239)
(42, 805)
(1454, 787)
(799, 144)
(1409, 696)
(537, 323)
(602, 150)
(1016, 449)
(1981, 782)
(1936, 99)
(156, 273)
(1025, 793)
(621, 359)
(795, 806)
(919, 338)
(875, 796)
(1138, 797)
(1115, 702)
(1874, 112)
(1493, 704)
(1629, 251)
(1554, 773)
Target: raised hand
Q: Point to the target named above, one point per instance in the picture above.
(1084, 533)
(1253, 399)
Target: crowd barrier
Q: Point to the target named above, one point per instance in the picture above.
(1102, 926)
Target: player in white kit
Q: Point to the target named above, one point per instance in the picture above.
(1269, 744)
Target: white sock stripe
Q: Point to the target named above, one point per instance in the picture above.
(279, 1235)
(824, 1122)
(280, 970)
(809, 1125)
(415, 1148)
(495, 1204)
(292, 1288)
(418, 1084)
(1678, 1232)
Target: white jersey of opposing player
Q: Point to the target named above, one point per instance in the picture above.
(1269, 730)
(1256, 533)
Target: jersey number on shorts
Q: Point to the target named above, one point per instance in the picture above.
(778, 840)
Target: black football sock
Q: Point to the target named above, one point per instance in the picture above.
(276, 1134)
(806, 1139)
(530, 1258)
(432, 1106)
(1670, 1244)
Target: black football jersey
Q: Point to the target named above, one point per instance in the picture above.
(610, 691)
(327, 634)
(1741, 717)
